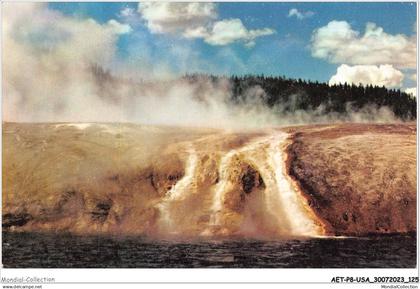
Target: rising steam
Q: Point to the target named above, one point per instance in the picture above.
(48, 77)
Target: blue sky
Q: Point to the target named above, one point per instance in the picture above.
(288, 50)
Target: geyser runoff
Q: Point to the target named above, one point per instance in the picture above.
(284, 204)
(184, 186)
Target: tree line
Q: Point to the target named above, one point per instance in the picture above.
(298, 94)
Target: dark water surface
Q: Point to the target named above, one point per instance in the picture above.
(31, 250)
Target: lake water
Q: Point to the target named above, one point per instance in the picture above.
(32, 250)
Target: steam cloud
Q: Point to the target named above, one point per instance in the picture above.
(48, 77)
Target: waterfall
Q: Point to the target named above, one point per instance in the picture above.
(221, 188)
(293, 204)
(217, 204)
(283, 202)
(178, 191)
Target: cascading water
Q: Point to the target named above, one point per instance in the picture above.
(283, 203)
(299, 222)
(182, 188)
(274, 206)
(181, 182)
(282, 200)
(217, 204)
(221, 187)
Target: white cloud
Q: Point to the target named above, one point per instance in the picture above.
(383, 75)
(300, 15)
(412, 90)
(169, 17)
(119, 28)
(231, 30)
(127, 12)
(196, 32)
(337, 42)
(198, 20)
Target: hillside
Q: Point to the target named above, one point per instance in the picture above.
(126, 179)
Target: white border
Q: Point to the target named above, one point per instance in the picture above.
(203, 275)
(108, 278)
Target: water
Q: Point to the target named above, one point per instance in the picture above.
(217, 204)
(33, 250)
(299, 222)
(282, 200)
(220, 191)
(178, 191)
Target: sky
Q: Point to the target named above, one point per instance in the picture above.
(49, 49)
(286, 47)
(369, 43)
